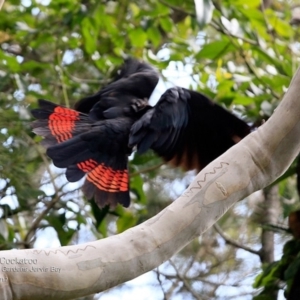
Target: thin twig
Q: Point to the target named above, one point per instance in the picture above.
(152, 168)
(160, 283)
(251, 69)
(38, 220)
(185, 283)
(46, 162)
(83, 80)
(228, 33)
(234, 243)
(179, 9)
(61, 77)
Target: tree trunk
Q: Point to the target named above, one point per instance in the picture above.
(270, 214)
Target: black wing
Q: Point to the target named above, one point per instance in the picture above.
(187, 129)
(135, 83)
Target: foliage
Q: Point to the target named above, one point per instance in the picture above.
(63, 50)
(282, 272)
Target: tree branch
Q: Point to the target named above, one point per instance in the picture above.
(78, 270)
(234, 243)
(146, 170)
(1, 3)
(223, 30)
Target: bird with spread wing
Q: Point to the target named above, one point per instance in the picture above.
(95, 138)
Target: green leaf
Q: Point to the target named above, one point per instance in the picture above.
(10, 61)
(89, 34)
(135, 9)
(252, 14)
(266, 58)
(263, 297)
(280, 26)
(126, 219)
(102, 228)
(225, 92)
(290, 172)
(58, 222)
(268, 277)
(292, 270)
(99, 214)
(215, 49)
(34, 67)
(136, 186)
(243, 100)
(137, 37)
(277, 82)
(154, 35)
(247, 4)
(166, 24)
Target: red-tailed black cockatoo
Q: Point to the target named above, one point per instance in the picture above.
(95, 138)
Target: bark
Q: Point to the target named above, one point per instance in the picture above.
(266, 4)
(271, 211)
(295, 19)
(74, 271)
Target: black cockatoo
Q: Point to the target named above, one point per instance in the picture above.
(95, 139)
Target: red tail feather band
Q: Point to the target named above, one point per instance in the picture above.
(88, 165)
(105, 178)
(61, 123)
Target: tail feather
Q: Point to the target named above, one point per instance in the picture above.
(69, 152)
(74, 174)
(57, 123)
(107, 178)
(103, 198)
(105, 184)
(84, 147)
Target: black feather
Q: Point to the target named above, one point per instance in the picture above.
(188, 129)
